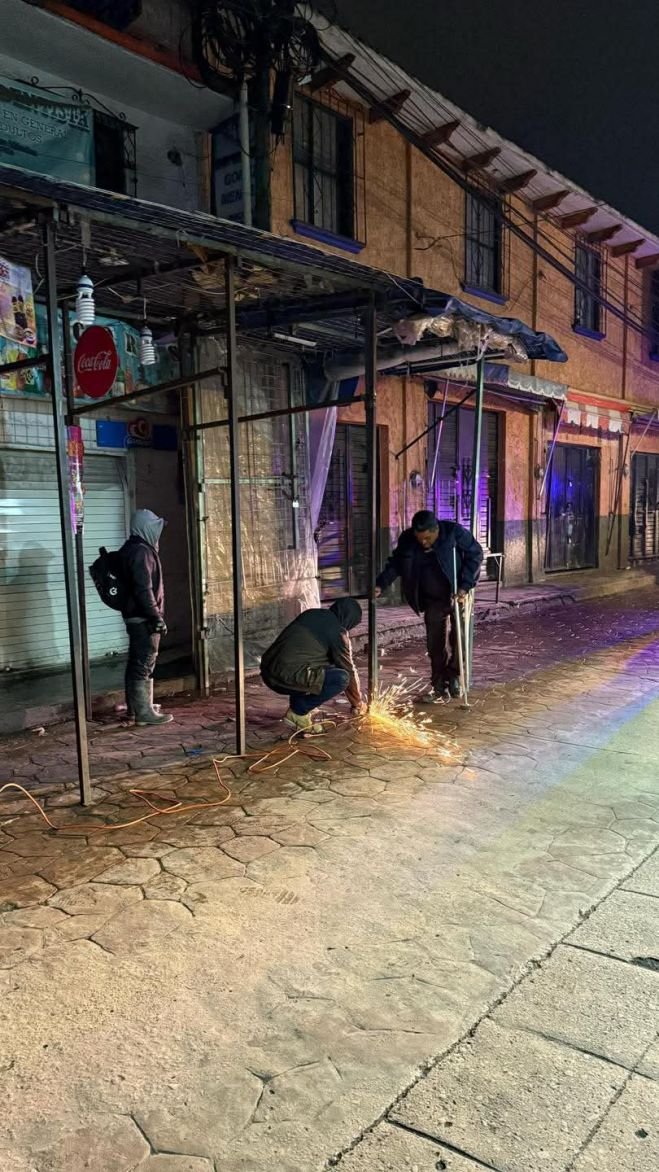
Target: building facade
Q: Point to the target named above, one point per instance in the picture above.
(373, 166)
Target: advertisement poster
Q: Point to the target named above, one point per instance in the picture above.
(130, 376)
(76, 452)
(18, 330)
(46, 133)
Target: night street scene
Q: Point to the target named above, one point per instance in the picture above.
(329, 586)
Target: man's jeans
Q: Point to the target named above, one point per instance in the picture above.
(336, 680)
(442, 644)
(143, 646)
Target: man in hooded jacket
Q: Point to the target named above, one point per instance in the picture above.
(144, 614)
(311, 662)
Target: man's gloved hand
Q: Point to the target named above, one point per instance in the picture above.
(359, 709)
(159, 627)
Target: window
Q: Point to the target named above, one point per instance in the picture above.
(588, 317)
(114, 154)
(653, 291)
(323, 160)
(483, 244)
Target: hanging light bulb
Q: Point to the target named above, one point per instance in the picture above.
(85, 307)
(148, 356)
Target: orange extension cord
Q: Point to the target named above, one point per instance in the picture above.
(150, 796)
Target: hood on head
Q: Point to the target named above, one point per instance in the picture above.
(348, 612)
(147, 525)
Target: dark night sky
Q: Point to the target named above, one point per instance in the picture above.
(575, 82)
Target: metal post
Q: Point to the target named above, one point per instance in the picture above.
(79, 540)
(370, 347)
(476, 455)
(234, 465)
(68, 545)
(245, 153)
(473, 513)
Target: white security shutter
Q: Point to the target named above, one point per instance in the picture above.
(33, 619)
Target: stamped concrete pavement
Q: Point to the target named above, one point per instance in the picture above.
(252, 985)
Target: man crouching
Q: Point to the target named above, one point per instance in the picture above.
(311, 662)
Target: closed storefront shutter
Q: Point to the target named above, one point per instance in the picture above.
(33, 619)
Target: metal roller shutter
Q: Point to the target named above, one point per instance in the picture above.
(33, 622)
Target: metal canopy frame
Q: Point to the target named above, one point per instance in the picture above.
(201, 276)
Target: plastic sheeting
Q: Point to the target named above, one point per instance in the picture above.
(322, 431)
(279, 571)
(471, 336)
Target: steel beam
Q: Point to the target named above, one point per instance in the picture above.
(370, 390)
(68, 543)
(236, 536)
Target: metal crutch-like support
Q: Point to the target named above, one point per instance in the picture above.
(461, 642)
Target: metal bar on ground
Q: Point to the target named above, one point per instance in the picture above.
(79, 539)
(173, 384)
(236, 536)
(370, 387)
(435, 423)
(68, 546)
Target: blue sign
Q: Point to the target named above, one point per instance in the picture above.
(138, 433)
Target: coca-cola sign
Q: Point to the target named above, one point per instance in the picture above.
(95, 362)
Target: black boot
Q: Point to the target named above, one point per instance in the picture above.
(140, 702)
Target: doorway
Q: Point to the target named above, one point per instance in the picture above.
(450, 455)
(343, 525)
(571, 512)
(644, 510)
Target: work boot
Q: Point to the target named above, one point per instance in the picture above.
(455, 688)
(140, 701)
(302, 724)
(435, 696)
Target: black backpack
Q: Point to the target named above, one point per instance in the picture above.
(108, 576)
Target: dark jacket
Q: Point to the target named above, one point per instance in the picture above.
(314, 641)
(143, 573)
(405, 561)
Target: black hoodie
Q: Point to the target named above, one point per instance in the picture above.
(314, 641)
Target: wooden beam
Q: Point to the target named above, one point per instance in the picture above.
(545, 203)
(332, 73)
(645, 262)
(440, 134)
(480, 161)
(603, 234)
(517, 182)
(392, 105)
(576, 219)
(625, 249)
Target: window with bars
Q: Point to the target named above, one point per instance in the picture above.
(484, 267)
(324, 168)
(114, 154)
(588, 269)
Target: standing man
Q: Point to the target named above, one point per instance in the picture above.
(311, 662)
(143, 613)
(424, 560)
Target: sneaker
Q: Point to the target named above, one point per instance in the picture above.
(302, 724)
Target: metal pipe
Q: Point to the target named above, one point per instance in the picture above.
(438, 440)
(434, 424)
(245, 153)
(68, 548)
(236, 535)
(79, 539)
(476, 453)
(550, 453)
(370, 388)
(24, 364)
(281, 411)
(173, 384)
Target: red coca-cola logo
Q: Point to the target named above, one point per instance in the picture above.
(95, 362)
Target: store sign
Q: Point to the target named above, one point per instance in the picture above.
(137, 433)
(95, 362)
(228, 202)
(43, 132)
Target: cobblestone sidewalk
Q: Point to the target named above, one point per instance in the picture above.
(251, 986)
